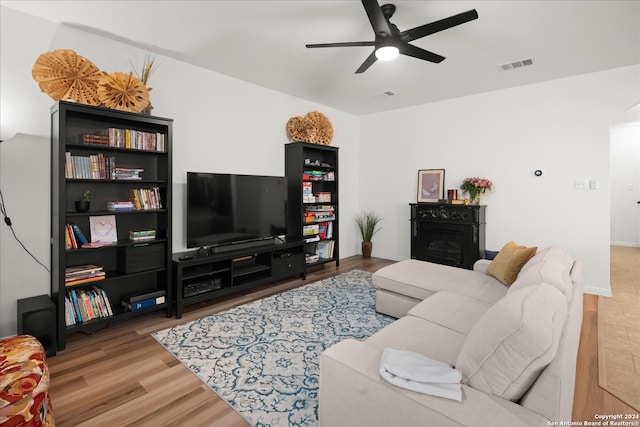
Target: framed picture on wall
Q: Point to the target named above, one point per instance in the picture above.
(430, 185)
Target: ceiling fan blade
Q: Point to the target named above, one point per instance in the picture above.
(367, 63)
(378, 21)
(344, 44)
(436, 26)
(420, 53)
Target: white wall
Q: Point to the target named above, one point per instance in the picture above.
(625, 185)
(221, 124)
(560, 126)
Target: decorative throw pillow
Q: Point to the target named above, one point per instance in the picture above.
(513, 341)
(507, 264)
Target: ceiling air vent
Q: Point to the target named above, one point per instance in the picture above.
(516, 64)
(385, 94)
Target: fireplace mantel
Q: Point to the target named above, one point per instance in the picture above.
(447, 234)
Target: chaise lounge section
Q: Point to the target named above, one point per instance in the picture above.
(515, 346)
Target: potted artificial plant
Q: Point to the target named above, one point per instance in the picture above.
(368, 225)
(83, 203)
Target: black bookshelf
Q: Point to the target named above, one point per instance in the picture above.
(130, 266)
(312, 215)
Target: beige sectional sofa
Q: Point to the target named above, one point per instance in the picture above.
(515, 346)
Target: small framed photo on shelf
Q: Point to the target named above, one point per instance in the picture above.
(430, 185)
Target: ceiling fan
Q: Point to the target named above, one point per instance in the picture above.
(390, 41)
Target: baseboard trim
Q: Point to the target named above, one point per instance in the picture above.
(597, 291)
(626, 244)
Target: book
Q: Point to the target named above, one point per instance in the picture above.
(103, 228)
(142, 235)
(85, 280)
(107, 304)
(83, 268)
(79, 234)
(134, 306)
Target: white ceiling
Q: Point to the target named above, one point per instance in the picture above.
(263, 42)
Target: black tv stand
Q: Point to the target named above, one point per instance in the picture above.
(203, 274)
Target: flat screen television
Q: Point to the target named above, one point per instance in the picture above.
(223, 209)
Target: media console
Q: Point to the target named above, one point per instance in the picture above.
(203, 275)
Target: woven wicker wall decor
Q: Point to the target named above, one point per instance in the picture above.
(63, 74)
(121, 91)
(314, 127)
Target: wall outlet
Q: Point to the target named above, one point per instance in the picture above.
(581, 184)
(593, 184)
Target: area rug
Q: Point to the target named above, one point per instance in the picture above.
(263, 357)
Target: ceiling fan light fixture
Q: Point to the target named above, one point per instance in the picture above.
(387, 53)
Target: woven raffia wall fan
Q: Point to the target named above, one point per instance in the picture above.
(314, 127)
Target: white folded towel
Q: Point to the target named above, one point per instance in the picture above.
(419, 373)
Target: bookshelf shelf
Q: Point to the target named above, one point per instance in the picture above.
(129, 266)
(312, 174)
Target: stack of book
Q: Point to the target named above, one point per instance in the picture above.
(143, 299)
(83, 305)
(142, 235)
(128, 174)
(307, 193)
(311, 258)
(320, 213)
(122, 205)
(85, 273)
(309, 162)
(314, 175)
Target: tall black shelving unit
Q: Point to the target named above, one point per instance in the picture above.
(312, 175)
(131, 266)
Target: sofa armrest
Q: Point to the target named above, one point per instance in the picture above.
(352, 393)
(481, 265)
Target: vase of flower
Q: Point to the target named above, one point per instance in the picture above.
(475, 187)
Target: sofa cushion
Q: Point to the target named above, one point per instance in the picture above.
(453, 311)
(551, 265)
(507, 264)
(420, 279)
(420, 336)
(513, 341)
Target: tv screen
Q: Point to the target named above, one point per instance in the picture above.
(226, 208)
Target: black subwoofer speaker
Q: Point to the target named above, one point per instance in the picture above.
(37, 317)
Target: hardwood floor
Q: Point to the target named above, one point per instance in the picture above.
(121, 376)
(619, 328)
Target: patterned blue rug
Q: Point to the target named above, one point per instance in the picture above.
(263, 357)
